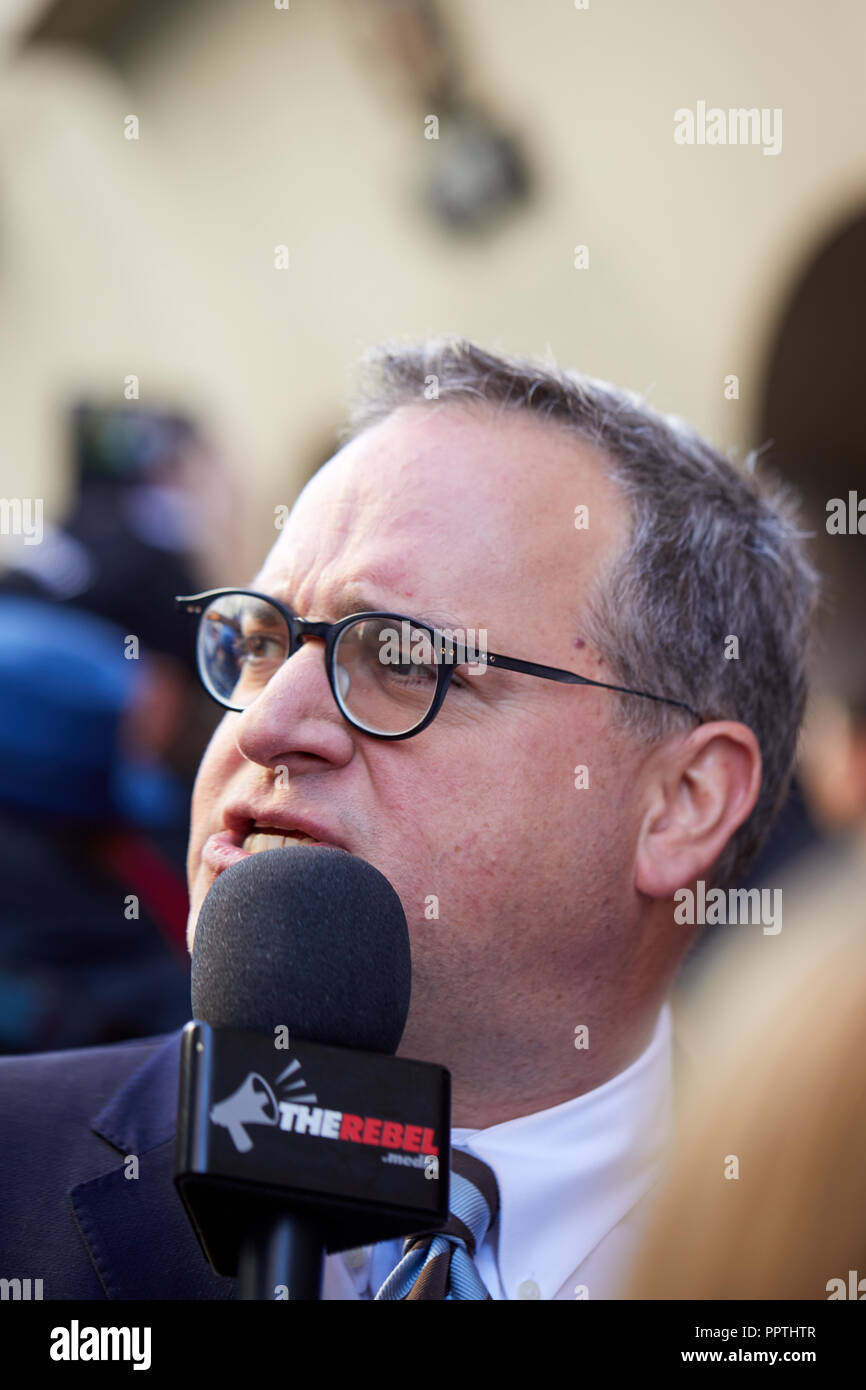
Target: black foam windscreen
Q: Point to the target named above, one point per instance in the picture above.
(313, 939)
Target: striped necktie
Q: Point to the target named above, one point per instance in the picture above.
(439, 1264)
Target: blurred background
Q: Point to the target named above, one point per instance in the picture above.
(207, 211)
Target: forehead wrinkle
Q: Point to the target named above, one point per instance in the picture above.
(356, 597)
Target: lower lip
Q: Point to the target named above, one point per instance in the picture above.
(220, 851)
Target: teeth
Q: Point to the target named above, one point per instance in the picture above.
(262, 839)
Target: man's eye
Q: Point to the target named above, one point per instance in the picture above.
(407, 672)
(261, 647)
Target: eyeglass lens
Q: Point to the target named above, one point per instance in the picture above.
(385, 671)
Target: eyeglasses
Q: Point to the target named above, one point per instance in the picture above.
(388, 673)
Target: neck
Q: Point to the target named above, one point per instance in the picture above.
(532, 1077)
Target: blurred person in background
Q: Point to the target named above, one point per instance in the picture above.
(812, 412)
(765, 1196)
(833, 752)
(98, 741)
(92, 913)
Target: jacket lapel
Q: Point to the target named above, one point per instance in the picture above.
(135, 1227)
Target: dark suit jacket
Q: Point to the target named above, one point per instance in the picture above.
(68, 1214)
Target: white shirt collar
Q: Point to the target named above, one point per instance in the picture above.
(569, 1174)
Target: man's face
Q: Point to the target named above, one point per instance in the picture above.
(467, 519)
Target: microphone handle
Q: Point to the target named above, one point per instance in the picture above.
(283, 1258)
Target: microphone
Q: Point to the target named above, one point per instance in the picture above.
(299, 1132)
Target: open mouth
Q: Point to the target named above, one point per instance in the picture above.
(228, 847)
(268, 837)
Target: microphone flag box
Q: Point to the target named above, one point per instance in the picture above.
(358, 1142)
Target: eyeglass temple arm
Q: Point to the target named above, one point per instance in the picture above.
(553, 673)
(461, 656)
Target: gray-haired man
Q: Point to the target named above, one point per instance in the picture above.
(535, 830)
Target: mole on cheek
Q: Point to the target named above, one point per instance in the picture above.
(579, 642)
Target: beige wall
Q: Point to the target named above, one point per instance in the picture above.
(261, 126)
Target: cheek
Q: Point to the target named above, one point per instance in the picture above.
(536, 813)
(464, 821)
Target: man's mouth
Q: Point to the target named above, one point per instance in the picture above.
(230, 846)
(260, 839)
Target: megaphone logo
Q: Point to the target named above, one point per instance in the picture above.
(254, 1103)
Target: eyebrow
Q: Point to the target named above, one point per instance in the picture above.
(355, 599)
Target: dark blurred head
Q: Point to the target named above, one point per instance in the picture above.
(71, 721)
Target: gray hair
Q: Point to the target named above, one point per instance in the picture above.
(714, 553)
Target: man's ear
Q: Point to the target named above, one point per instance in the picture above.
(698, 791)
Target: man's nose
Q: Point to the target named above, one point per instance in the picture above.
(295, 717)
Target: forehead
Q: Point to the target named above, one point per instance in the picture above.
(455, 511)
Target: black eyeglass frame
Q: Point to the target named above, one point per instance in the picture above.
(301, 628)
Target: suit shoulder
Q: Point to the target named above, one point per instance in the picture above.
(49, 1145)
(70, 1084)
